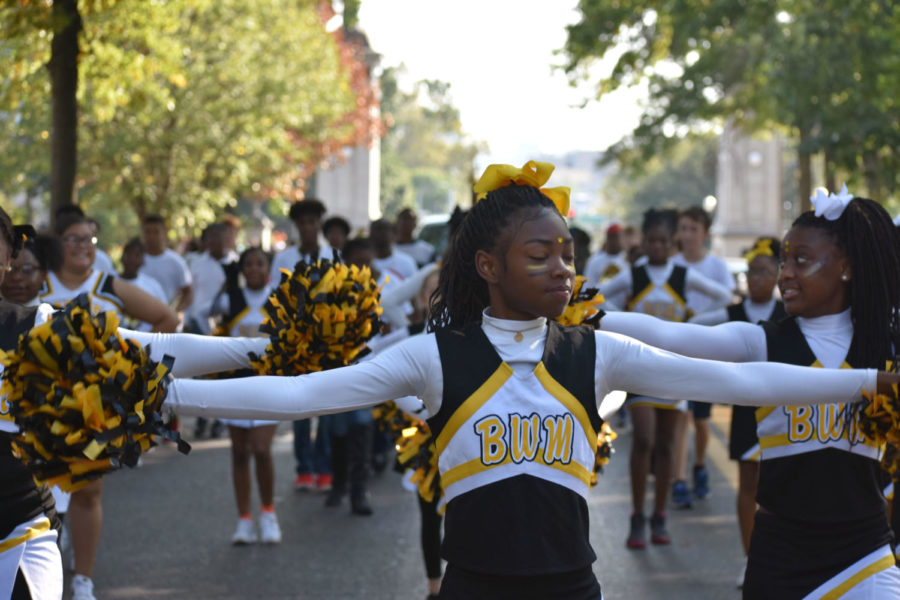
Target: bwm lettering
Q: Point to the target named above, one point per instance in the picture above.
(824, 423)
(522, 437)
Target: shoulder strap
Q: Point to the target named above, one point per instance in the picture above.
(677, 280)
(737, 312)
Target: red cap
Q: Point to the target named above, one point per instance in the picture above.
(614, 228)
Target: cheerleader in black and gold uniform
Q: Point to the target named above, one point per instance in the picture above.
(820, 531)
(74, 276)
(242, 310)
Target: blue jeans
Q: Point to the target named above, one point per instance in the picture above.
(312, 457)
(340, 423)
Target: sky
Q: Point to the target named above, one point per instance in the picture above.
(498, 56)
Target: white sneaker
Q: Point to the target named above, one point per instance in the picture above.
(82, 588)
(245, 533)
(270, 532)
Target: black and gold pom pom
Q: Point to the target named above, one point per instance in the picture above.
(86, 401)
(319, 317)
(879, 421)
(583, 307)
(414, 445)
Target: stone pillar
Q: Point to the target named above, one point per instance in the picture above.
(350, 189)
(748, 190)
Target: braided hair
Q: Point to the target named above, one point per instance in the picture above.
(866, 234)
(462, 294)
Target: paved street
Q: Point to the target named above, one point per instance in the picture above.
(168, 525)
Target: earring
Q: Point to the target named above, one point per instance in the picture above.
(844, 277)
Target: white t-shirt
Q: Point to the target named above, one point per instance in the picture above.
(421, 251)
(712, 267)
(289, 257)
(102, 262)
(397, 266)
(152, 287)
(208, 275)
(169, 269)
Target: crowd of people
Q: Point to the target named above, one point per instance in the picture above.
(494, 354)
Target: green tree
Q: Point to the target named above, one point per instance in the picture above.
(818, 70)
(681, 178)
(185, 105)
(426, 158)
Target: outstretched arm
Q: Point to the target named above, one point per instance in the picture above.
(198, 354)
(732, 342)
(713, 317)
(717, 293)
(636, 367)
(405, 369)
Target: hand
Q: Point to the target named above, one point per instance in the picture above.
(887, 381)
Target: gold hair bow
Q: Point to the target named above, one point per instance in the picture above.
(533, 173)
(762, 248)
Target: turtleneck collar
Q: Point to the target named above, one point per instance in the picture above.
(834, 322)
(530, 330)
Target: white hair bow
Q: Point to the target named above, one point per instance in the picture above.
(831, 206)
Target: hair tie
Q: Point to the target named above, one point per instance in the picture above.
(831, 206)
(533, 173)
(762, 248)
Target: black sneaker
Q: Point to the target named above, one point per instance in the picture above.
(658, 533)
(637, 539)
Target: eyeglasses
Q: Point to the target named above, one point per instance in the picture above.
(75, 240)
(24, 270)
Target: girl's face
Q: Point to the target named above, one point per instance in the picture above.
(256, 270)
(535, 276)
(762, 274)
(811, 270)
(24, 281)
(78, 248)
(658, 244)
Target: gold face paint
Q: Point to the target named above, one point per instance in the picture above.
(536, 270)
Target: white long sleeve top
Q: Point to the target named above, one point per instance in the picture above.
(828, 336)
(413, 368)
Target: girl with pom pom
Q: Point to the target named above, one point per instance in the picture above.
(514, 396)
(820, 531)
(30, 562)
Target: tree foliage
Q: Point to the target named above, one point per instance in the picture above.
(185, 105)
(822, 70)
(426, 157)
(680, 178)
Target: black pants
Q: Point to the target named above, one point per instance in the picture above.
(431, 536)
(460, 584)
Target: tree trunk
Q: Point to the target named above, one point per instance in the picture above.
(828, 165)
(63, 67)
(804, 187)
